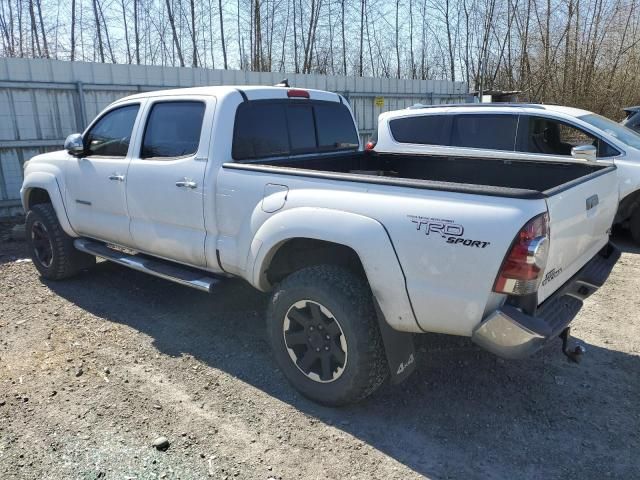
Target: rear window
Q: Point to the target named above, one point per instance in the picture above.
(302, 130)
(268, 128)
(335, 127)
(422, 129)
(494, 132)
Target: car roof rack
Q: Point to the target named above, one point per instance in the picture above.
(447, 105)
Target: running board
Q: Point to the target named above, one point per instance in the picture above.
(183, 275)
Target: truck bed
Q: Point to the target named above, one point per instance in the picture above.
(497, 176)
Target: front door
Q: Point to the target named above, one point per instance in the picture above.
(95, 182)
(165, 180)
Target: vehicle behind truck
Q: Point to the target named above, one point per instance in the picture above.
(359, 249)
(534, 132)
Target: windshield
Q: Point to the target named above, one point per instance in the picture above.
(622, 133)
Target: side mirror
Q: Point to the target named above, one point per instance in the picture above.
(74, 144)
(585, 152)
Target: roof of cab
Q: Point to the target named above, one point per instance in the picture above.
(253, 92)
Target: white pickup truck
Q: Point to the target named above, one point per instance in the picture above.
(360, 249)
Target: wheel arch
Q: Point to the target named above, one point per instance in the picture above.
(354, 240)
(42, 187)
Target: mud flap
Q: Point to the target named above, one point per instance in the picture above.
(398, 347)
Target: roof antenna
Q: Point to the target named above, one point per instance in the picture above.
(283, 83)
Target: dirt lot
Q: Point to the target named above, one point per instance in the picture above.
(93, 369)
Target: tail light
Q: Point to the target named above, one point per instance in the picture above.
(370, 145)
(296, 93)
(523, 267)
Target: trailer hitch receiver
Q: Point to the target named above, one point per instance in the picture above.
(574, 354)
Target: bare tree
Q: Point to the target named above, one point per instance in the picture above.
(224, 48)
(194, 44)
(176, 40)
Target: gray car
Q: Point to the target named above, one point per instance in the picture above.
(632, 120)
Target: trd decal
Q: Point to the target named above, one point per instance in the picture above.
(451, 232)
(551, 275)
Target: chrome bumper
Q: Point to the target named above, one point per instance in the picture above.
(511, 333)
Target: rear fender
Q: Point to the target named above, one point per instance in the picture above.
(366, 236)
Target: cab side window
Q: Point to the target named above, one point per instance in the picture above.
(173, 129)
(111, 134)
(551, 137)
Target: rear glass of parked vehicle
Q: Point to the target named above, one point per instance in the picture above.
(488, 131)
(422, 129)
(173, 129)
(269, 128)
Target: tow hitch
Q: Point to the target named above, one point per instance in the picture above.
(575, 354)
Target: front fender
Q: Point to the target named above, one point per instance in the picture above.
(366, 236)
(47, 181)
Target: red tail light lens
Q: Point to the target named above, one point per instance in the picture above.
(294, 93)
(522, 268)
(370, 145)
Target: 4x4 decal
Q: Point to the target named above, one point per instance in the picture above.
(452, 232)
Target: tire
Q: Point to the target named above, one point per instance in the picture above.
(634, 225)
(328, 296)
(51, 249)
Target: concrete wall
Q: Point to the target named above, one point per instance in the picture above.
(42, 101)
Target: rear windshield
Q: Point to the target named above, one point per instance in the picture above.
(270, 128)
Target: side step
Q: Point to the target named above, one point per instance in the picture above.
(187, 276)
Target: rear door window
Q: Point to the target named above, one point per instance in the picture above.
(487, 131)
(173, 129)
(271, 128)
(421, 129)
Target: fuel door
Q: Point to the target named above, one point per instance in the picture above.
(274, 198)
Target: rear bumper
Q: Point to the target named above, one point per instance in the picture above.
(511, 333)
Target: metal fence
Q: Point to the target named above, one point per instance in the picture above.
(42, 101)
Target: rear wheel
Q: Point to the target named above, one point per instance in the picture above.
(634, 225)
(51, 249)
(324, 334)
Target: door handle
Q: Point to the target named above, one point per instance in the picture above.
(186, 183)
(116, 177)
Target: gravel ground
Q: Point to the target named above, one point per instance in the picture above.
(94, 369)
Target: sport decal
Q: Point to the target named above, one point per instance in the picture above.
(450, 231)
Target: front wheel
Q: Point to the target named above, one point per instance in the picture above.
(323, 330)
(51, 249)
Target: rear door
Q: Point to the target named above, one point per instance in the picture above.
(580, 220)
(165, 191)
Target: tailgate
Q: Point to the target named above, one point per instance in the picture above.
(580, 217)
